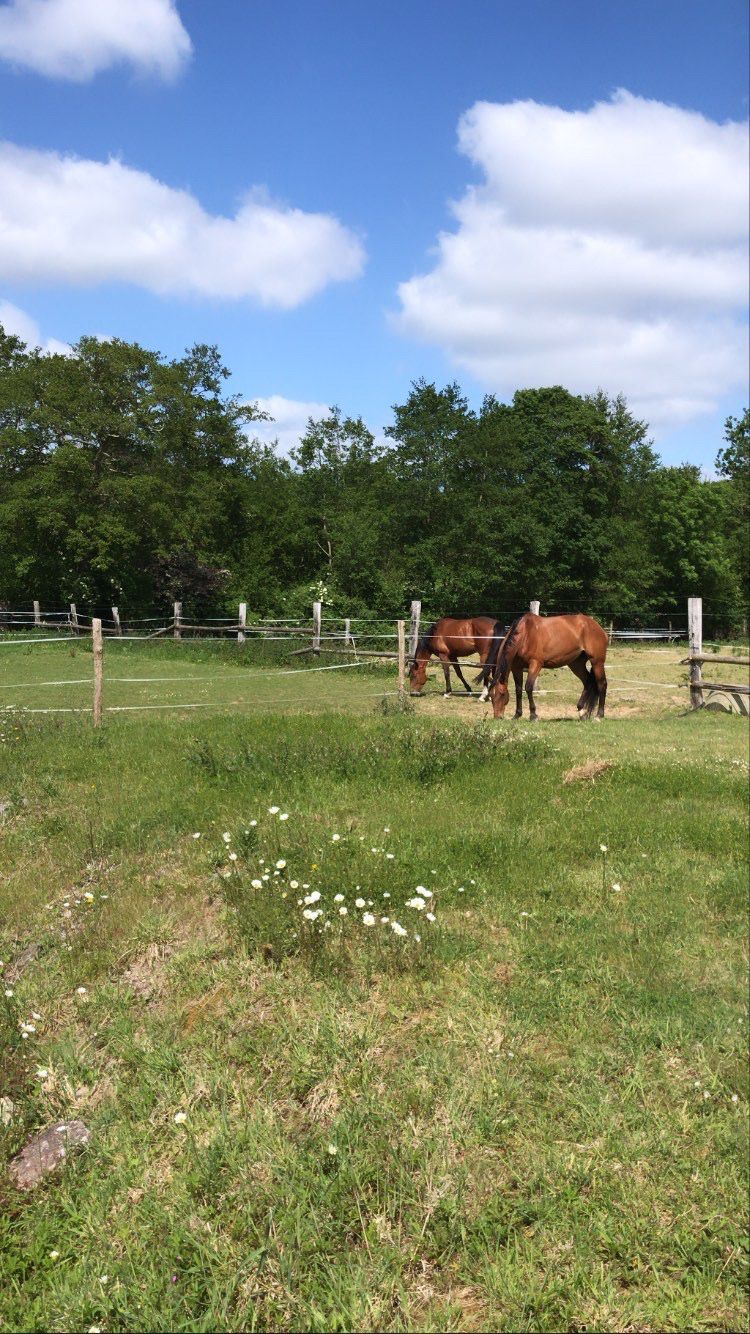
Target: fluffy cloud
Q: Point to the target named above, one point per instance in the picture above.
(289, 422)
(601, 248)
(75, 39)
(66, 219)
(15, 321)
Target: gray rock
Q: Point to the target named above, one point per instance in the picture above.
(46, 1151)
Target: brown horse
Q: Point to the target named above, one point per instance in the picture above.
(533, 642)
(452, 638)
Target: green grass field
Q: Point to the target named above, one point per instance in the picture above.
(532, 1118)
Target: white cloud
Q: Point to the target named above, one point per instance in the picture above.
(602, 248)
(16, 321)
(290, 417)
(75, 39)
(66, 219)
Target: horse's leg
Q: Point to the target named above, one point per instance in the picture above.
(578, 668)
(446, 663)
(600, 677)
(517, 670)
(534, 669)
(460, 674)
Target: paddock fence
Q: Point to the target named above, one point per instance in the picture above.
(355, 641)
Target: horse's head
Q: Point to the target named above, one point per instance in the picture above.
(417, 675)
(499, 694)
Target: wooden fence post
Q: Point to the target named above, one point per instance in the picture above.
(347, 632)
(73, 618)
(116, 619)
(98, 645)
(242, 623)
(316, 626)
(37, 614)
(695, 635)
(401, 632)
(534, 607)
(416, 616)
(177, 620)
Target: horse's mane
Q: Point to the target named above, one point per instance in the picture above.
(424, 642)
(503, 652)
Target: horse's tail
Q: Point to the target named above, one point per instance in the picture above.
(497, 658)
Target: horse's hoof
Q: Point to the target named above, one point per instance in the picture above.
(447, 694)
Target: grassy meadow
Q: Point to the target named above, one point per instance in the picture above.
(523, 1109)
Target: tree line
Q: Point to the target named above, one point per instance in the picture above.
(129, 478)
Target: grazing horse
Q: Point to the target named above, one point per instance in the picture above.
(533, 642)
(452, 638)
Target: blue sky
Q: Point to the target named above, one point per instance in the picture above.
(574, 250)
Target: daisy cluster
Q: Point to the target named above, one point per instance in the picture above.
(323, 908)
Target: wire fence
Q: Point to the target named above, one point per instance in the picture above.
(356, 643)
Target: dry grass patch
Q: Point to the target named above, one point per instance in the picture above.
(588, 772)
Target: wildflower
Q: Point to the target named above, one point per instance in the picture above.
(233, 856)
(359, 903)
(9, 992)
(416, 902)
(706, 1093)
(461, 889)
(617, 888)
(265, 877)
(89, 896)
(343, 912)
(735, 1098)
(430, 917)
(386, 830)
(253, 823)
(335, 838)
(312, 913)
(313, 898)
(472, 882)
(417, 937)
(227, 838)
(368, 919)
(273, 810)
(280, 864)
(603, 847)
(42, 1072)
(257, 884)
(294, 884)
(104, 1278)
(284, 815)
(180, 1118)
(54, 1255)
(332, 1150)
(398, 929)
(80, 991)
(426, 893)
(338, 898)
(385, 920)
(196, 835)
(390, 856)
